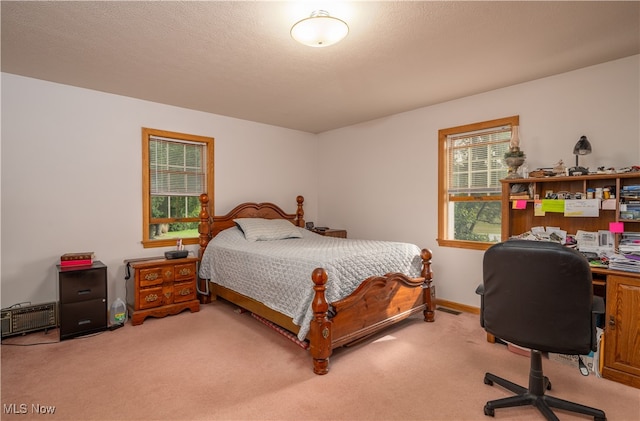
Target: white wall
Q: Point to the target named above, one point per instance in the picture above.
(72, 181)
(71, 176)
(380, 177)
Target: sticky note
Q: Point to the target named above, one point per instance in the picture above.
(616, 227)
(551, 205)
(519, 204)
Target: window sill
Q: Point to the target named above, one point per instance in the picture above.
(473, 245)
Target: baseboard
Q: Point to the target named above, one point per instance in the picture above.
(457, 306)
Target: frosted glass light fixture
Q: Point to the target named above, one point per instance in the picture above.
(319, 30)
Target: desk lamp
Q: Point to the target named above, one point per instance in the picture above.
(583, 147)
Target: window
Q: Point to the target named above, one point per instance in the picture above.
(471, 164)
(176, 169)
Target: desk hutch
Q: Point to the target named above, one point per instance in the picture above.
(621, 290)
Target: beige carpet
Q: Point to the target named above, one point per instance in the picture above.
(221, 365)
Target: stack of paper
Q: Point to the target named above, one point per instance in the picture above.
(627, 262)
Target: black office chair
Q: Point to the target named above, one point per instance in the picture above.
(538, 295)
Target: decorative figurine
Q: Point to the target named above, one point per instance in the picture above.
(559, 168)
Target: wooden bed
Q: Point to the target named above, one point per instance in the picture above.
(378, 302)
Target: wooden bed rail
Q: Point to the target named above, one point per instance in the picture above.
(392, 291)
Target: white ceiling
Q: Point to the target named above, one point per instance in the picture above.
(236, 58)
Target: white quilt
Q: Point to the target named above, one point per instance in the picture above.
(278, 273)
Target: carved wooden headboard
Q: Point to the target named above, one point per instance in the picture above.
(209, 226)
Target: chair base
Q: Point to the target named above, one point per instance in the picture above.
(535, 394)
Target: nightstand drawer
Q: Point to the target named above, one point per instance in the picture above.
(184, 291)
(151, 297)
(187, 271)
(151, 277)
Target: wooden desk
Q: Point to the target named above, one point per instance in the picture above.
(622, 324)
(621, 290)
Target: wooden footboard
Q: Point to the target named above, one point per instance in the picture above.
(378, 302)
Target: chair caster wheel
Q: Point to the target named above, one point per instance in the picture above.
(489, 411)
(487, 381)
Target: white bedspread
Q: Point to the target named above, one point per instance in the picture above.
(278, 273)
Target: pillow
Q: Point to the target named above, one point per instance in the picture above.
(260, 229)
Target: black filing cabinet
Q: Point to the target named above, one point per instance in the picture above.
(83, 299)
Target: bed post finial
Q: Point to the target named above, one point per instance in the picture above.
(429, 290)
(204, 227)
(320, 329)
(300, 212)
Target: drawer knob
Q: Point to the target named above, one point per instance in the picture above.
(151, 298)
(167, 274)
(185, 271)
(185, 291)
(151, 276)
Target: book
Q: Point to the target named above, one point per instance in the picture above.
(84, 255)
(77, 262)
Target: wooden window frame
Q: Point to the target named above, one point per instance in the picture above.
(147, 133)
(444, 199)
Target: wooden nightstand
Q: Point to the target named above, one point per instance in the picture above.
(162, 287)
(333, 233)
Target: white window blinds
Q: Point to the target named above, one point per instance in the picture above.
(475, 161)
(177, 168)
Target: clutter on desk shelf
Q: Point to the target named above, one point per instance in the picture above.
(627, 257)
(556, 170)
(554, 234)
(541, 172)
(597, 247)
(559, 168)
(625, 262)
(630, 243)
(634, 168)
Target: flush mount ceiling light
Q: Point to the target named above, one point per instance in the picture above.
(319, 30)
